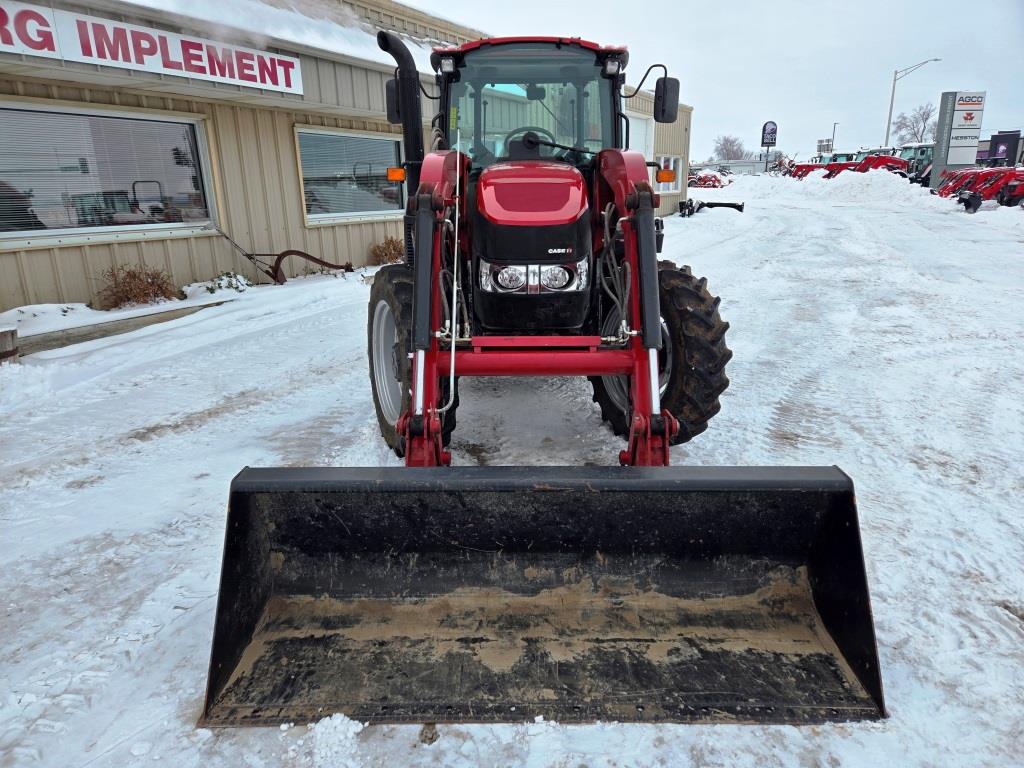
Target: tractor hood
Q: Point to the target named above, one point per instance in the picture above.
(531, 193)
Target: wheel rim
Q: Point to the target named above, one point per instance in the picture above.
(617, 387)
(386, 379)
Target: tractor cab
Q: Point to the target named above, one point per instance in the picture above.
(865, 152)
(567, 92)
(495, 95)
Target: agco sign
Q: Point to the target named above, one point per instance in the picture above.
(970, 100)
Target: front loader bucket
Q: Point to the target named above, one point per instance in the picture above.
(494, 594)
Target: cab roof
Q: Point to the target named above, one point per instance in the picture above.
(475, 44)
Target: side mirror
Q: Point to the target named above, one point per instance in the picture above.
(391, 101)
(666, 100)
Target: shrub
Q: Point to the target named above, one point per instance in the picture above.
(129, 284)
(228, 281)
(390, 251)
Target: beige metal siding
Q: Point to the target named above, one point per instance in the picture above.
(256, 191)
(674, 139)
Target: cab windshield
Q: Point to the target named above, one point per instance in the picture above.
(559, 93)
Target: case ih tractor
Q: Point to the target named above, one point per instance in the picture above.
(642, 592)
(1000, 184)
(869, 163)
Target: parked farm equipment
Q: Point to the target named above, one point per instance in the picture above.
(706, 180)
(982, 184)
(1012, 192)
(870, 163)
(691, 206)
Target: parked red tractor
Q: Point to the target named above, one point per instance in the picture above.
(871, 162)
(641, 592)
(1012, 193)
(953, 181)
(705, 180)
(989, 184)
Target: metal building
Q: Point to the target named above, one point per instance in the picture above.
(130, 134)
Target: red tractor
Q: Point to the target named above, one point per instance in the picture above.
(705, 180)
(800, 170)
(1012, 192)
(955, 180)
(870, 163)
(644, 592)
(990, 184)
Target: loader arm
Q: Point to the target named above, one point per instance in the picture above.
(623, 182)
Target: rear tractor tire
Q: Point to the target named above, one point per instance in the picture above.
(692, 359)
(389, 336)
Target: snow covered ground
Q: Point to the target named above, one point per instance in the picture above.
(36, 319)
(873, 327)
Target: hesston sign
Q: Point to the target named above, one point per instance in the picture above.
(55, 34)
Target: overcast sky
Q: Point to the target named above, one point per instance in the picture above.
(802, 64)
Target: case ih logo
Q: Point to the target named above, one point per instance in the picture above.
(968, 117)
(559, 250)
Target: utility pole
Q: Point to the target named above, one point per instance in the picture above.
(834, 136)
(899, 74)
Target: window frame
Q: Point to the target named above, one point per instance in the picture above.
(327, 219)
(66, 236)
(677, 185)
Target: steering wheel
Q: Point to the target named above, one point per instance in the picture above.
(525, 129)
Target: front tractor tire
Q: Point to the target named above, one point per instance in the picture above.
(692, 359)
(389, 335)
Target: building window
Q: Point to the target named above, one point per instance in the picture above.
(346, 174)
(670, 163)
(63, 171)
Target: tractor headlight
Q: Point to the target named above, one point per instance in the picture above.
(511, 278)
(534, 278)
(554, 277)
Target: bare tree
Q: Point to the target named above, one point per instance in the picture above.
(731, 148)
(918, 126)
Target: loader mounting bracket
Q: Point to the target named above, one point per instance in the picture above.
(423, 440)
(650, 438)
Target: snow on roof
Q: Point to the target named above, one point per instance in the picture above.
(338, 31)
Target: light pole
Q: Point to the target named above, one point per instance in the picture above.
(834, 136)
(899, 74)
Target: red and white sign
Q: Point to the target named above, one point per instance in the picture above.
(55, 34)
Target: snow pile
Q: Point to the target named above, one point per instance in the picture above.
(334, 742)
(874, 189)
(40, 318)
(873, 186)
(336, 30)
(34, 319)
